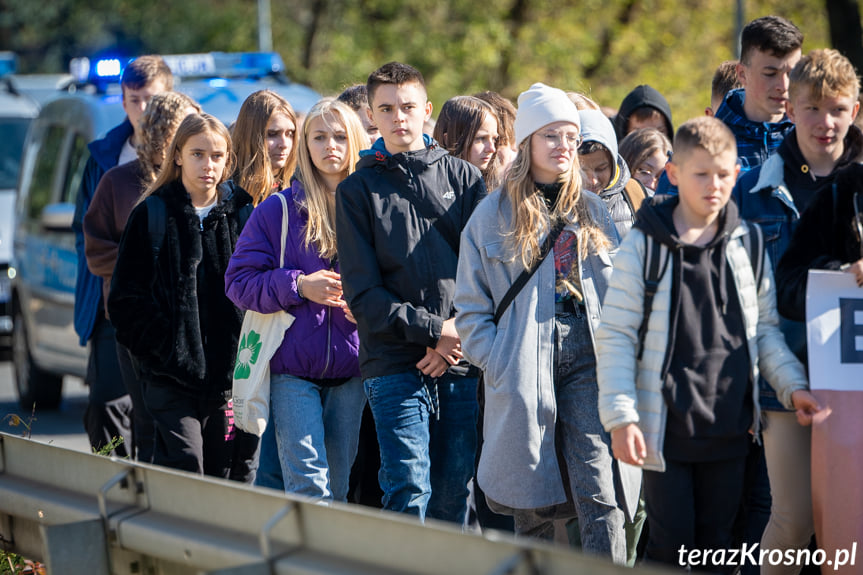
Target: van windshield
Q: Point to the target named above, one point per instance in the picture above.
(14, 131)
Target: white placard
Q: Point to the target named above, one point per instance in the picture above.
(834, 331)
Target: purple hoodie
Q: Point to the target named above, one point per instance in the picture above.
(321, 343)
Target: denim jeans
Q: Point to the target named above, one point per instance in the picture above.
(317, 430)
(269, 472)
(426, 428)
(583, 444)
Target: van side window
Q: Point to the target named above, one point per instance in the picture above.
(77, 162)
(45, 171)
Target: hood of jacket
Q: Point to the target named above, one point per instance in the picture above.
(655, 218)
(641, 96)
(618, 181)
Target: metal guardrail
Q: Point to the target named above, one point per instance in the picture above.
(81, 513)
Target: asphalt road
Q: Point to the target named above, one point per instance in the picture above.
(63, 427)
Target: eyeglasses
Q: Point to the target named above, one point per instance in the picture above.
(556, 138)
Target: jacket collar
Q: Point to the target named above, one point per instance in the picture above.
(731, 112)
(232, 196)
(106, 151)
(380, 157)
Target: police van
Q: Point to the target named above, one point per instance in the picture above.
(17, 110)
(44, 262)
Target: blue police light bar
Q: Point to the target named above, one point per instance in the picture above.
(8, 63)
(225, 65)
(107, 71)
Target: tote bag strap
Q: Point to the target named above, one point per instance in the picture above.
(284, 228)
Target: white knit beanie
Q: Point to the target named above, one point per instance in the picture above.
(540, 106)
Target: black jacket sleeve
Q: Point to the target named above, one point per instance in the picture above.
(815, 244)
(142, 322)
(372, 304)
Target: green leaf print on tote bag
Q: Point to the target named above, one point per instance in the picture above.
(261, 336)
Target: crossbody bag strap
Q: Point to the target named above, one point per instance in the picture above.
(523, 278)
(284, 228)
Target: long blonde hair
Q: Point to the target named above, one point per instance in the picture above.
(531, 218)
(321, 229)
(192, 125)
(254, 171)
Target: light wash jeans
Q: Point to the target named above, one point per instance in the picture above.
(426, 428)
(583, 444)
(317, 431)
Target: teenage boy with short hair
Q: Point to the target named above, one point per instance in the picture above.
(398, 221)
(724, 80)
(644, 107)
(683, 405)
(356, 97)
(109, 408)
(823, 104)
(769, 48)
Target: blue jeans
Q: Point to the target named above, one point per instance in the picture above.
(269, 467)
(317, 430)
(426, 428)
(583, 445)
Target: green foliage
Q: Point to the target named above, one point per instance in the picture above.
(109, 447)
(601, 47)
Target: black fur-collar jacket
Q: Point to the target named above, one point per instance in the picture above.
(172, 312)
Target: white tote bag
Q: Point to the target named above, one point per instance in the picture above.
(261, 336)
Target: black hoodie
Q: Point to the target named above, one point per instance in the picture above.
(706, 372)
(642, 96)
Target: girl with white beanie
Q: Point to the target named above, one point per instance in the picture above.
(545, 454)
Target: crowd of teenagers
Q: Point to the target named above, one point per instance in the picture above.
(536, 339)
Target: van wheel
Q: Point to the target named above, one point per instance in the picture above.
(35, 385)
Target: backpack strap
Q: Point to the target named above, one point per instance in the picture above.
(656, 258)
(244, 214)
(753, 242)
(635, 193)
(156, 223)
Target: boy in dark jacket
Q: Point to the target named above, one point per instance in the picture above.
(399, 216)
(109, 408)
(644, 107)
(769, 49)
(823, 104)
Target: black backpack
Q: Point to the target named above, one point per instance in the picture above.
(656, 258)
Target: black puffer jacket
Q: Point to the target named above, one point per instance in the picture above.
(172, 313)
(398, 222)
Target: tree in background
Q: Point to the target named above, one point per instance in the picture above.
(601, 47)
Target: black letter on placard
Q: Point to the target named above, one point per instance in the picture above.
(849, 331)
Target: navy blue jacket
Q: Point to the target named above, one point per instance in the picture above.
(755, 140)
(104, 155)
(398, 222)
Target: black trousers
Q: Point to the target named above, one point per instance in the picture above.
(193, 430)
(143, 428)
(109, 407)
(692, 504)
